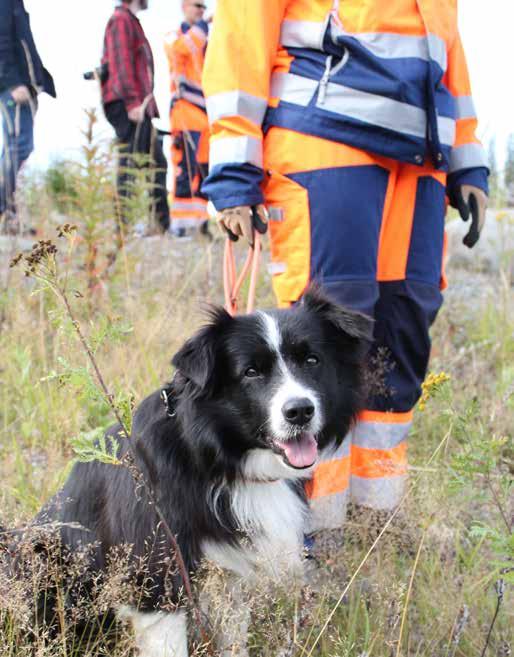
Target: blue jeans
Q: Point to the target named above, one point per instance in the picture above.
(17, 145)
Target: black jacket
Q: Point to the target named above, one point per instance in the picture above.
(20, 62)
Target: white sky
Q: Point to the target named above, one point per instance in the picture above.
(69, 36)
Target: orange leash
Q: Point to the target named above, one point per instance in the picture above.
(232, 283)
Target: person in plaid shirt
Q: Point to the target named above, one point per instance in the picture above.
(129, 104)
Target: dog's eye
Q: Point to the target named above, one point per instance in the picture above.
(311, 359)
(251, 372)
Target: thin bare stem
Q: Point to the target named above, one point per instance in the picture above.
(500, 588)
(499, 505)
(409, 590)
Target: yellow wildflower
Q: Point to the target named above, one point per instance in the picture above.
(430, 385)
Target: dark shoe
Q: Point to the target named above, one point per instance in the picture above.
(178, 232)
(205, 231)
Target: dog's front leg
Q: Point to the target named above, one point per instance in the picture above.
(158, 633)
(232, 640)
(228, 609)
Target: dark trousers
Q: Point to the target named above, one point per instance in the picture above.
(18, 142)
(139, 140)
(190, 170)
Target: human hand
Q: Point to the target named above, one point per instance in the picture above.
(137, 114)
(21, 94)
(471, 199)
(242, 220)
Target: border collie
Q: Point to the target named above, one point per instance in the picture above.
(226, 447)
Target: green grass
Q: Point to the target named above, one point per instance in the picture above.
(427, 587)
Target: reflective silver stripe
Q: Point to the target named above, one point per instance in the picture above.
(277, 268)
(438, 53)
(446, 128)
(382, 493)
(275, 213)
(387, 45)
(235, 150)
(302, 34)
(236, 103)
(185, 206)
(191, 83)
(328, 512)
(193, 98)
(332, 453)
(380, 435)
(187, 222)
(361, 105)
(468, 156)
(384, 112)
(292, 88)
(465, 108)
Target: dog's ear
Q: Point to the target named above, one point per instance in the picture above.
(196, 360)
(352, 323)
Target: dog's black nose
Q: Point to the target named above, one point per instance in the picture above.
(298, 411)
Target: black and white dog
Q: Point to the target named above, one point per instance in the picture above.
(253, 402)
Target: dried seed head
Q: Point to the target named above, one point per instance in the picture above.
(16, 260)
(66, 229)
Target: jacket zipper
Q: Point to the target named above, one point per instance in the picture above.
(323, 83)
(322, 91)
(328, 73)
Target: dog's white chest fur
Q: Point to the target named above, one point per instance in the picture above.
(272, 517)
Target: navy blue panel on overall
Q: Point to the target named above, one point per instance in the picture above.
(358, 295)
(426, 245)
(188, 166)
(346, 206)
(403, 316)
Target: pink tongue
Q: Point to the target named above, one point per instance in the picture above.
(301, 452)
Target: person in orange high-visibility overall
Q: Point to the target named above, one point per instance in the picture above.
(189, 125)
(353, 122)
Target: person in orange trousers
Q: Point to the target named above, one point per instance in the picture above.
(185, 51)
(353, 122)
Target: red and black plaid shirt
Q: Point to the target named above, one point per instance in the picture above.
(128, 56)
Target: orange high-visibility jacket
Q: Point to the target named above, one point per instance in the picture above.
(386, 76)
(186, 52)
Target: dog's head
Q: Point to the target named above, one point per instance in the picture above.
(265, 392)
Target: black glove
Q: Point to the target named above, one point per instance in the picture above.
(472, 200)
